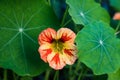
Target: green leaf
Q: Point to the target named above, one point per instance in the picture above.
(114, 76)
(58, 7)
(115, 4)
(21, 21)
(26, 78)
(99, 48)
(87, 11)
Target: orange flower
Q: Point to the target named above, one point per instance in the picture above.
(57, 48)
(117, 16)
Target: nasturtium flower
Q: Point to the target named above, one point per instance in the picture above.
(116, 16)
(57, 48)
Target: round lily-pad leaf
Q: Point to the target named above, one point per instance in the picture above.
(87, 11)
(21, 21)
(99, 48)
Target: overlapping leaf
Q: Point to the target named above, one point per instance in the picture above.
(86, 11)
(21, 21)
(115, 4)
(114, 76)
(99, 48)
(58, 6)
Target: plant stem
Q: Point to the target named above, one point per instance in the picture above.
(5, 75)
(47, 74)
(49, 2)
(70, 73)
(81, 73)
(67, 22)
(76, 70)
(56, 76)
(117, 27)
(117, 32)
(84, 73)
(15, 77)
(100, 1)
(64, 16)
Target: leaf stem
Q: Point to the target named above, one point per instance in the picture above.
(47, 74)
(67, 22)
(117, 27)
(15, 77)
(100, 1)
(5, 75)
(49, 2)
(56, 76)
(70, 73)
(64, 16)
(76, 70)
(84, 73)
(117, 32)
(78, 65)
(81, 73)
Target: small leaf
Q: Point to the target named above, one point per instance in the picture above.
(114, 76)
(87, 11)
(98, 48)
(21, 21)
(115, 4)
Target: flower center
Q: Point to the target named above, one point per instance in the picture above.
(57, 46)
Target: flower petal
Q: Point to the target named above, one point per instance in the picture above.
(47, 36)
(65, 52)
(69, 54)
(66, 35)
(44, 51)
(117, 16)
(55, 61)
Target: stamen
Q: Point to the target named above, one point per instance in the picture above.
(57, 46)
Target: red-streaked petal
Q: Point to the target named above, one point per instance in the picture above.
(44, 51)
(69, 53)
(66, 35)
(47, 36)
(117, 16)
(55, 61)
(69, 59)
